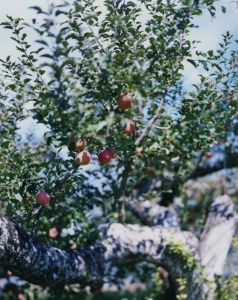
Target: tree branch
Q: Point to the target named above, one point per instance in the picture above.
(42, 264)
(217, 234)
(61, 181)
(157, 245)
(152, 214)
(121, 199)
(96, 38)
(207, 167)
(216, 238)
(151, 121)
(176, 251)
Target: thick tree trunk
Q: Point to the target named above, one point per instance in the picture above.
(41, 264)
(180, 253)
(216, 238)
(176, 251)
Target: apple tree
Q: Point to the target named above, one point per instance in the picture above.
(107, 195)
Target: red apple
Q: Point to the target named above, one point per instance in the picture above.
(83, 157)
(42, 198)
(130, 127)
(53, 232)
(73, 246)
(80, 145)
(20, 296)
(209, 154)
(104, 156)
(124, 101)
(113, 152)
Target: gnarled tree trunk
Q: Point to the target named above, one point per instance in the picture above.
(180, 253)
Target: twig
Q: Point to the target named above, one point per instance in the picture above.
(159, 127)
(226, 98)
(103, 105)
(61, 181)
(24, 48)
(234, 116)
(156, 126)
(121, 200)
(199, 159)
(97, 40)
(36, 216)
(151, 121)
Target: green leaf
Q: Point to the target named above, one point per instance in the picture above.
(191, 61)
(24, 36)
(223, 9)
(18, 197)
(27, 80)
(42, 72)
(210, 52)
(38, 9)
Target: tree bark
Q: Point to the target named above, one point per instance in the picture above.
(169, 248)
(41, 264)
(150, 213)
(178, 252)
(216, 238)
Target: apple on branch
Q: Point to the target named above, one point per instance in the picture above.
(124, 101)
(104, 156)
(20, 296)
(42, 198)
(208, 154)
(73, 246)
(113, 151)
(83, 158)
(53, 232)
(80, 145)
(130, 127)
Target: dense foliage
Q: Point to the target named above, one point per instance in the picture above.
(70, 81)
